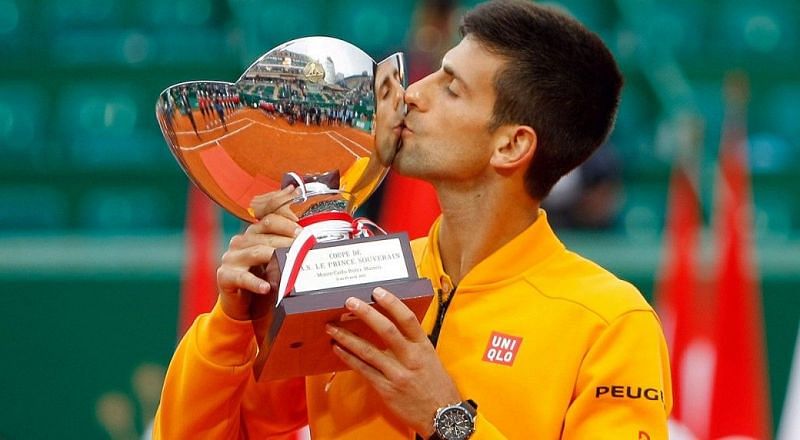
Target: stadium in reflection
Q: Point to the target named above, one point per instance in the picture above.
(307, 107)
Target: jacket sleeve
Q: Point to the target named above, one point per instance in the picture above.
(623, 388)
(210, 391)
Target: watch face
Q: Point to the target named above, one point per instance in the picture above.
(454, 424)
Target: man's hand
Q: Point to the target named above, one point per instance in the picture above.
(235, 282)
(408, 374)
(274, 202)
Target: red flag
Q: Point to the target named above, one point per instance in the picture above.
(740, 405)
(408, 205)
(199, 291)
(678, 298)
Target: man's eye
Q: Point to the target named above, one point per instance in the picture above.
(450, 91)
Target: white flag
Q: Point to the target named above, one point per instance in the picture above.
(790, 419)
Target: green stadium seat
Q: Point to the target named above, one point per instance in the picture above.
(633, 132)
(772, 215)
(759, 28)
(99, 109)
(710, 103)
(21, 124)
(126, 208)
(109, 125)
(32, 207)
(377, 28)
(163, 46)
(596, 14)
(770, 153)
(643, 210)
(194, 46)
(177, 13)
(83, 12)
(10, 16)
(17, 47)
(282, 21)
(781, 111)
(101, 47)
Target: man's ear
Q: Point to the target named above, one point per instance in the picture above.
(514, 148)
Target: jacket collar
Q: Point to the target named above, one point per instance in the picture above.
(521, 255)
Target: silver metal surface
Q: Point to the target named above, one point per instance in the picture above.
(315, 112)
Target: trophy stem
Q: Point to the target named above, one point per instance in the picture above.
(329, 226)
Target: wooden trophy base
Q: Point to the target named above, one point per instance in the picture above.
(291, 337)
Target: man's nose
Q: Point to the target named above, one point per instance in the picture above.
(417, 94)
(412, 97)
(397, 95)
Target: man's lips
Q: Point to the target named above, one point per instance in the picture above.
(398, 129)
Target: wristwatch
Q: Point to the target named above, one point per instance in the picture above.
(455, 422)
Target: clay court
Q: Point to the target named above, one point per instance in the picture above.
(257, 149)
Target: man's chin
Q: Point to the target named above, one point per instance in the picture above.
(402, 166)
(398, 163)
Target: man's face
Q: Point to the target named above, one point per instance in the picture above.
(389, 110)
(447, 136)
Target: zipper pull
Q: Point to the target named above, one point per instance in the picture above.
(447, 287)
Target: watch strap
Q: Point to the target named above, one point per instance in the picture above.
(471, 407)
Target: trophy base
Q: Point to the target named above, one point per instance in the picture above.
(291, 337)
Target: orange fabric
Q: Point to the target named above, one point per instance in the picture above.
(590, 359)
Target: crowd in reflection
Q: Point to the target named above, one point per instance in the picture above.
(213, 101)
(279, 86)
(297, 101)
(336, 116)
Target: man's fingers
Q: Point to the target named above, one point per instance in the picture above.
(405, 319)
(381, 325)
(269, 203)
(274, 224)
(365, 351)
(360, 366)
(241, 259)
(287, 212)
(230, 280)
(244, 241)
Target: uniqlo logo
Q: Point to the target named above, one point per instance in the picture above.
(502, 349)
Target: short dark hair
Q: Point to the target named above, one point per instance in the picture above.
(559, 78)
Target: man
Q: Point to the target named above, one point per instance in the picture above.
(361, 178)
(526, 339)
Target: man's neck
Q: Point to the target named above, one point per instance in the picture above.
(476, 223)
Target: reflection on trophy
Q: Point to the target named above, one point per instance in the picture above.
(318, 115)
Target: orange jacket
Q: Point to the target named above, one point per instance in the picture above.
(547, 343)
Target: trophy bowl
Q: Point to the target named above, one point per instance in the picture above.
(319, 115)
(305, 109)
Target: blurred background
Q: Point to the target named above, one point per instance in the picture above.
(93, 206)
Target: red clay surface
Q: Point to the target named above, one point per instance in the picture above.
(257, 150)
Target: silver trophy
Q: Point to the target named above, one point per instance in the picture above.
(319, 115)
